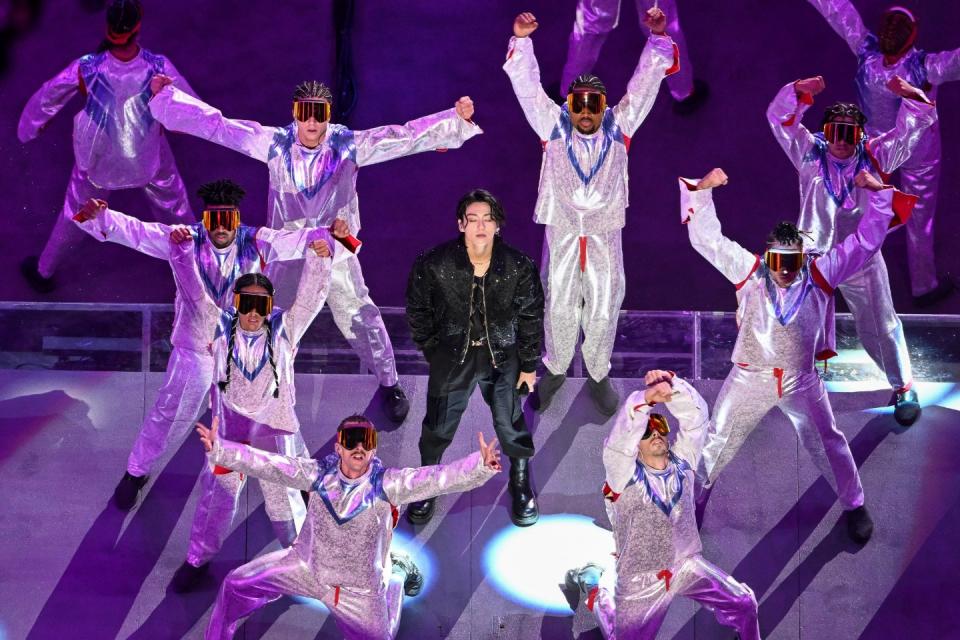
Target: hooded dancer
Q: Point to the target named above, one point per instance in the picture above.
(253, 397)
(313, 172)
(785, 313)
(597, 18)
(224, 249)
(830, 207)
(116, 142)
(582, 202)
(880, 58)
(649, 500)
(342, 557)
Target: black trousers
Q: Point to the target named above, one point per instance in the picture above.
(449, 389)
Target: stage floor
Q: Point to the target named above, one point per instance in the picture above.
(71, 565)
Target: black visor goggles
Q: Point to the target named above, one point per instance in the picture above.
(364, 436)
(589, 101)
(783, 261)
(247, 302)
(229, 219)
(657, 423)
(303, 110)
(847, 132)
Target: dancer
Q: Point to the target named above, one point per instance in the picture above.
(785, 313)
(597, 18)
(879, 60)
(649, 500)
(827, 164)
(116, 142)
(475, 308)
(254, 395)
(224, 249)
(343, 557)
(313, 172)
(582, 202)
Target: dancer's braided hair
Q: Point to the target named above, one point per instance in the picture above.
(785, 233)
(244, 281)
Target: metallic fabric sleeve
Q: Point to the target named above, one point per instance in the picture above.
(621, 446)
(784, 115)
(644, 85)
(279, 245)
(894, 147)
(942, 67)
(690, 409)
(296, 473)
(521, 66)
(150, 238)
(311, 294)
(843, 18)
(190, 287)
(443, 130)
(698, 212)
(47, 101)
(848, 257)
(403, 486)
(178, 111)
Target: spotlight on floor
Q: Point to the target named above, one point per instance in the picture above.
(930, 393)
(527, 565)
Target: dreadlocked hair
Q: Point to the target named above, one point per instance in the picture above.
(785, 233)
(842, 109)
(244, 281)
(588, 81)
(311, 89)
(221, 192)
(355, 420)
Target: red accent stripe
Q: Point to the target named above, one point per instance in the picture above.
(83, 85)
(778, 374)
(583, 253)
(609, 493)
(789, 121)
(819, 280)
(665, 575)
(592, 597)
(903, 204)
(805, 98)
(825, 355)
(395, 514)
(626, 141)
(756, 265)
(336, 595)
(676, 61)
(221, 471)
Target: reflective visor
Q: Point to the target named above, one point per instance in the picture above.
(780, 261)
(657, 423)
(306, 109)
(847, 132)
(581, 101)
(229, 219)
(350, 437)
(247, 302)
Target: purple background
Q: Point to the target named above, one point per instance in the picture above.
(414, 58)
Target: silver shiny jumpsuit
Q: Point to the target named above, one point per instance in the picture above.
(117, 144)
(314, 187)
(583, 196)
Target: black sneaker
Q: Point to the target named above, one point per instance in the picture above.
(906, 407)
(685, 107)
(584, 579)
(128, 490)
(188, 577)
(413, 580)
(859, 525)
(547, 388)
(605, 399)
(30, 272)
(421, 512)
(395, 403)
(943, 289)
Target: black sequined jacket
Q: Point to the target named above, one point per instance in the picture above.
(438, 303)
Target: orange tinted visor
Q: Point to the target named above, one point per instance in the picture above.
(777, 261)
(247, 302)
(229, 219)
(658, 423)
(351, 437)
(589, 101)
(303, 110)
(847, 132)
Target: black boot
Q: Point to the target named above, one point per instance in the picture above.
(859, 525)
(413, 579)
(127, 491)
(30, 272)
(395, 403)
(421, 512)
(605, 399)
(906, 407)
(583, 579)
(523, 511)
(188, 577)
(547, 388)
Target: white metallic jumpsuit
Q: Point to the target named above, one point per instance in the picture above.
(783, 331)
(117, 144)
(831, 208)
(657, 542)
(583, 196)
(597, 18)
(313, 187)
(920, 173)
(248, 412)
(190, 368)
(342, 555)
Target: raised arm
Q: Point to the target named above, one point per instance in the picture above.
(892, 148)
(403, 486)
(421, 314)
(845, 20)
(47, 101)
(660, 58)
(621, 446)
(107, 225)
(311, 294)
(186, 275)
(524, 72)
(179, 111)
(690, 409)
(785, 113)
(529, 303)
(698, 212)
(296, 473)
(942, 67)
(278, 245)
(443, 130)
(887, 207)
